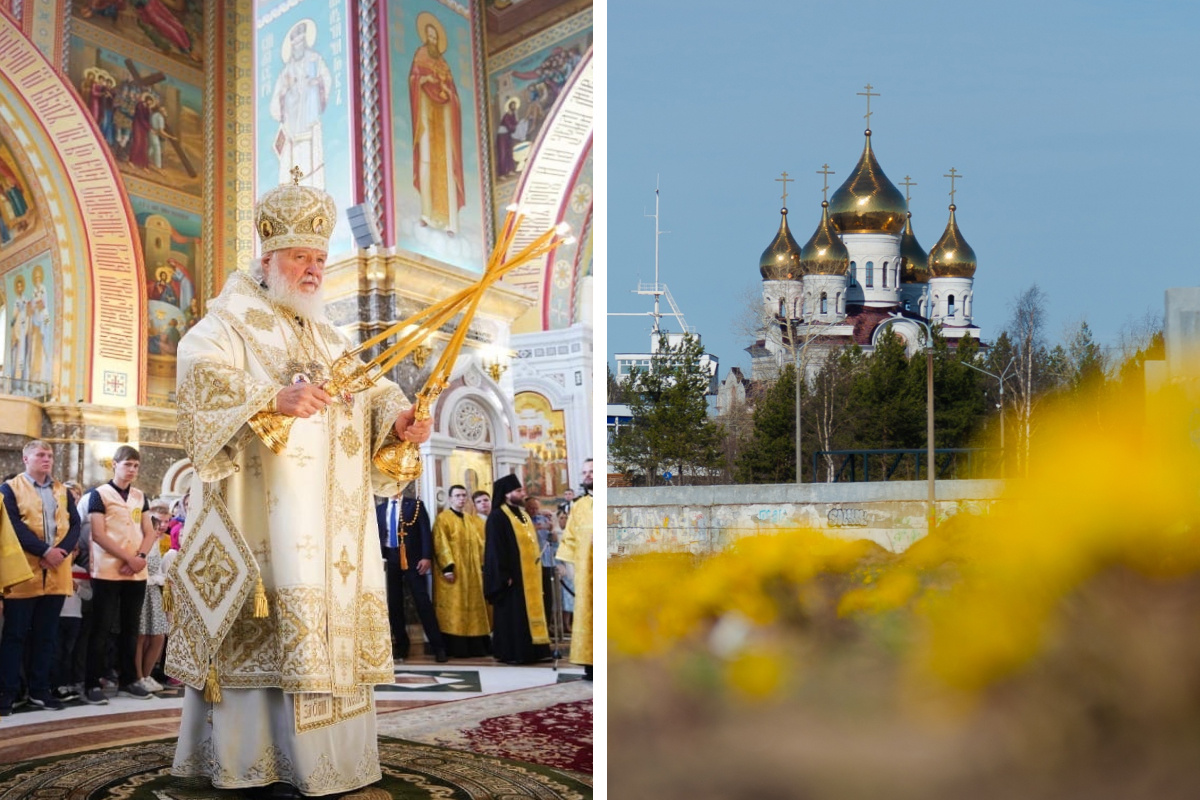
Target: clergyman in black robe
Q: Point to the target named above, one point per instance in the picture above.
(512, 578)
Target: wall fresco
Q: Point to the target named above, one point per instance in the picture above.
(303, 104)
(29, 297)
(523, 84)
(18, 214)
(174, 28)
(171, 247)
(437, 179)
(151, 121)
(541, 431)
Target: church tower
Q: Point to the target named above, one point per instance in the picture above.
(780, 269)
(825, 262)
(952, 266)
(914, 272)
(869, 212)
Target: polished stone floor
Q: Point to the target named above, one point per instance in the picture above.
(420, 683)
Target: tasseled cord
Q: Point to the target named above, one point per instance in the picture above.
(212, 689)
(260, 600)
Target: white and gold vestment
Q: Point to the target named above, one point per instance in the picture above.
(296, 699)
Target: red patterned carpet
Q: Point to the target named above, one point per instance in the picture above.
(558, 736)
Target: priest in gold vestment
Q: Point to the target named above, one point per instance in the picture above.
(280, 625)
(576, 550)
(462, 613)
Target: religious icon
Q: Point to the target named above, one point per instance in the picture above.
(437, 130)
(300, 97)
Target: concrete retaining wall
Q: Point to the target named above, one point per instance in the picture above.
(702, 519)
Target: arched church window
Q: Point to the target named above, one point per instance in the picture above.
(950, 306)
(837, 304)
(853, 272)
(870, 281)
(885, 275)
(824, 303)
(782, 307)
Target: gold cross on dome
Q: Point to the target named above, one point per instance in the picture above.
(826, 171)
(868, 94)
(785, 180)
(297, 174)
(953, 176)
(906, 183)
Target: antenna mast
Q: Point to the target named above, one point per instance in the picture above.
(658, 290)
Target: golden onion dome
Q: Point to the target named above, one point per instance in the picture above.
(781, 260)
(824, 253)
(868, 202)
(952, 257)
(914, 262)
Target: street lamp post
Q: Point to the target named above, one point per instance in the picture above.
(1000, 378)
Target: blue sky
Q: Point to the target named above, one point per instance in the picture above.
(1073, 124)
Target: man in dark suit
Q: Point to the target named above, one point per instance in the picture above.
(407, 542)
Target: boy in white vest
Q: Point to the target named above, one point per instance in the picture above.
(122, 535)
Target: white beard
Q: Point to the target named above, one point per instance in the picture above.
(309, 306)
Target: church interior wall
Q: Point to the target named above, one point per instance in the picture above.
(189, 204)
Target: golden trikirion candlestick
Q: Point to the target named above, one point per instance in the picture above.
(350, 374)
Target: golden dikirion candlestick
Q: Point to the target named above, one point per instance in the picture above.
(349, 373)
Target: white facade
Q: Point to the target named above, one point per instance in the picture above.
(824, 298)
(781, 299)
(952, 301)
(874, 268)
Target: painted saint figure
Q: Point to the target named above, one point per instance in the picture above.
(505, 140)
(437, 130)
(139, 145)
(38, 342)
(300, 96)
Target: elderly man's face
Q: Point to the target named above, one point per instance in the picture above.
(301, 268)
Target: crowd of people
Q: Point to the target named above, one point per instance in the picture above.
(83, 577)
(466, 575)
(83, 614)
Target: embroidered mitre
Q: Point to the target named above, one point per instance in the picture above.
(291, 215)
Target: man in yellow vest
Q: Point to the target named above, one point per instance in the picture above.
(122, 535)
(576, 549)
(43, 516)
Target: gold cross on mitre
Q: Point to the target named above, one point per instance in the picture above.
(785, 180)
(907, 182)
(868, 94)
(826, 171)
(296, 174)
(953, 176)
